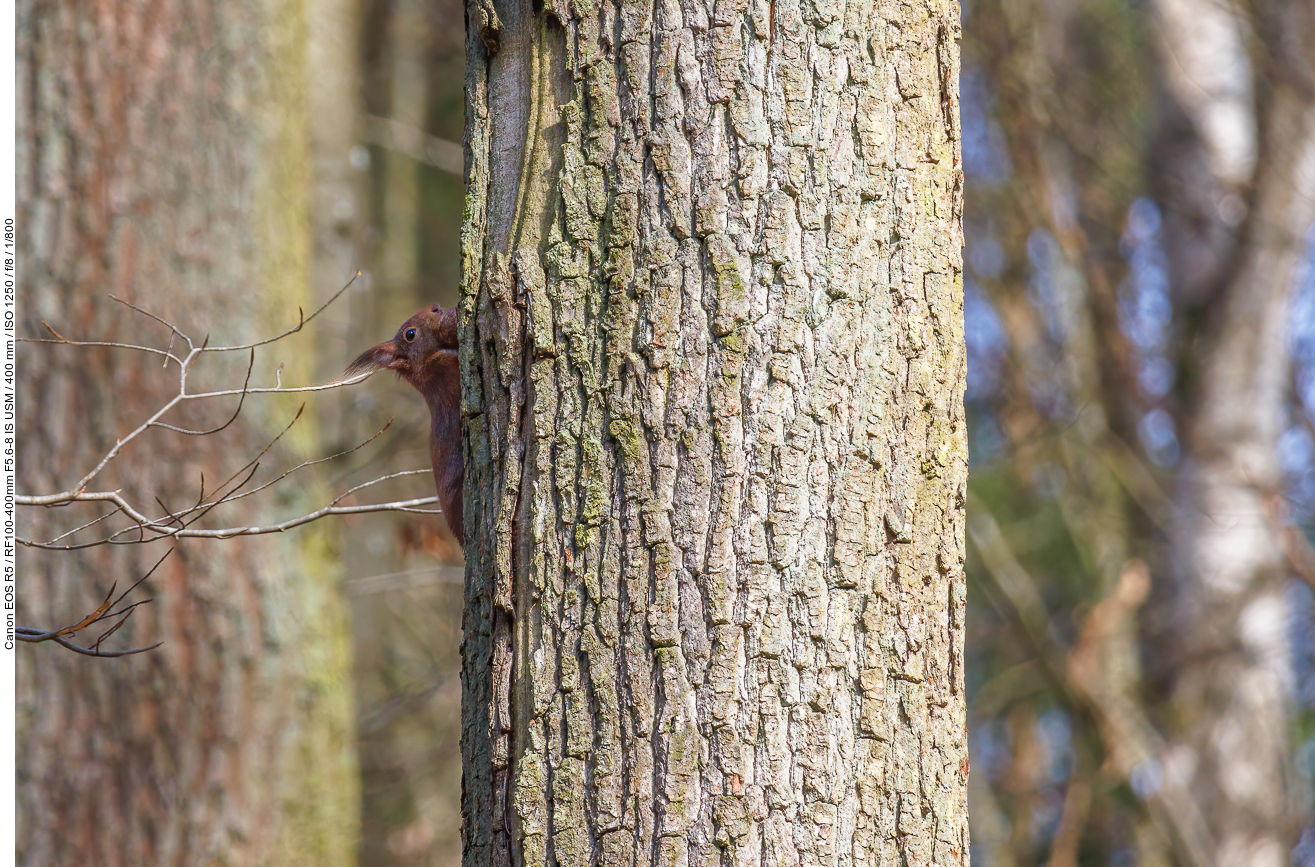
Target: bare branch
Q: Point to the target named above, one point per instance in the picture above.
(169, 356)
(232, 532)
(328, 386)
(231, 496)
(303, 464)
(81, 624)
(128, 524)
(173, 518)
(87, 651)
(254, 460)
(113, 629)
(185, 364)
(92, 523)
(164, 530)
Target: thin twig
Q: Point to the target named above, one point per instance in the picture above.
(254, 460)
(81, 624)
(232, 496)
(113, 629)
(103, 611)
(164, 531)
(66, 342)
(65, 535)
(328, 386)
(165, 322)
(87, 651)
(308, 463)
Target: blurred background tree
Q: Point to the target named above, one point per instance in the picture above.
(188, 158)
(406, 614)
(1141, 186)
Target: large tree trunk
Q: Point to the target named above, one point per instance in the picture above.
(1223, 625)
(165, 156)
(712, 350)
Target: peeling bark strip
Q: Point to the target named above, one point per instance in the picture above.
(713, 368)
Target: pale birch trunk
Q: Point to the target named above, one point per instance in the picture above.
(713, 358)
(166, 155)
(1222, 635)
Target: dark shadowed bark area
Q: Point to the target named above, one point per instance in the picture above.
(713, 359)
(165, 156)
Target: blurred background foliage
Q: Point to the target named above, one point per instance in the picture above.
(1139, 310)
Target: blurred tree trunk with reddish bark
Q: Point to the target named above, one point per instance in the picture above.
(168, 155)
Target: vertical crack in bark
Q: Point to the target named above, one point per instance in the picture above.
(507, 108)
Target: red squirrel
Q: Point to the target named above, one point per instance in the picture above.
(424, 353)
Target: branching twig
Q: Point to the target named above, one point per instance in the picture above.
(141, 528)
(301, 323)
(168, 354)
(214, 430)
(109, 609)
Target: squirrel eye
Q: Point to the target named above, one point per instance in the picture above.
(410, 335)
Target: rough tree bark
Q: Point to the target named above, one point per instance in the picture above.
(165, 156)
(1223, 622)
(712, 352)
